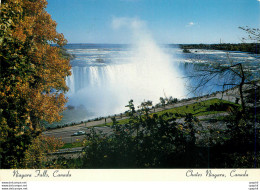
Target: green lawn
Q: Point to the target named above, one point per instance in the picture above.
(198, 109)
(73, 145)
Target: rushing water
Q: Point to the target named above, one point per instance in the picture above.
(105, 77)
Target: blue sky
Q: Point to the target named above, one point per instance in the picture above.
(167, 21)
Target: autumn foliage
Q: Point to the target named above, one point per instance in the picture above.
(32, 75)
(36, 156)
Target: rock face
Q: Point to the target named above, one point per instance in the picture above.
(186, 50)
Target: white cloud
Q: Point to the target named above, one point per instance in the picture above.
(190, 24)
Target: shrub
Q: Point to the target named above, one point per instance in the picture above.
(145, 142)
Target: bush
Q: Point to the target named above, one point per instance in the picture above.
(36, 154)
(145, 142)
(239, 148)
(222, 106)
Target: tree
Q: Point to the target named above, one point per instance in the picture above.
(36, 154)
(162, 100)
(233, 75)
(131, 107)
(32, 75)
(145, 107)
(253, 34)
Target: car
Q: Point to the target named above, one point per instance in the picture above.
(79, 133)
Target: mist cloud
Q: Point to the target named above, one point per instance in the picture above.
(132, 23)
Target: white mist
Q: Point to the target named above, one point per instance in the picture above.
(148, 74)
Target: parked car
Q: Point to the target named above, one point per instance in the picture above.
(79, 133)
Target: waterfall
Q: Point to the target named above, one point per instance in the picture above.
(71, 82)
(148, 75)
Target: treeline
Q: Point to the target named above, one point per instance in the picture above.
(244, 47)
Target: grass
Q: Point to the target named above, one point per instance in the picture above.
(73, 145)
(197, 109)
